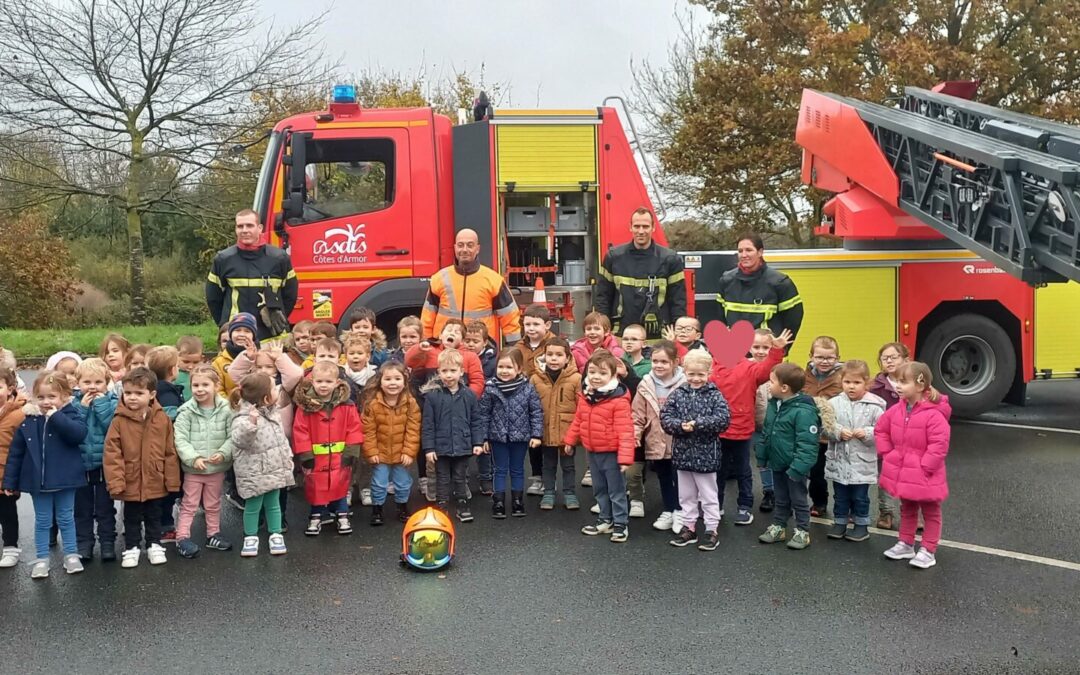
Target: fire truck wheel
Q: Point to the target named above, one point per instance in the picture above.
(973, 361)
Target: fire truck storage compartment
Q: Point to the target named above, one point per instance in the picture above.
(555, 242)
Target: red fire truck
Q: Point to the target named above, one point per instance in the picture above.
(368, 202)
(957, 221)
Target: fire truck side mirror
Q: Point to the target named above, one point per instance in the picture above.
(296, 162)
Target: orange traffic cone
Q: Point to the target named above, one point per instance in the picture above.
(539, 294)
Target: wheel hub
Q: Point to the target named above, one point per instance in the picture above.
(967, 365)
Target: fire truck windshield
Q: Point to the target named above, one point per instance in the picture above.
(266, 176)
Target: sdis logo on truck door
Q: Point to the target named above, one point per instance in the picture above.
(341, 245)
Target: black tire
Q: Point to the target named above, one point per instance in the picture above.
(973, 361)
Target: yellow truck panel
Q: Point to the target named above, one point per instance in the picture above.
(857, 306)
(546, 157)
(1057, 349)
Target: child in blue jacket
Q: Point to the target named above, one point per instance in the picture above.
(511, 420)
(93, 504)
(46, 462)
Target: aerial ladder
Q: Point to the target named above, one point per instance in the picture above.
(1003, 185)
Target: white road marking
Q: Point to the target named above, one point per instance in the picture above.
(1007, 425)
(1000, 552)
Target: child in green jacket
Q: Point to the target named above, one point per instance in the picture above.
(788, 446)
(205, 452)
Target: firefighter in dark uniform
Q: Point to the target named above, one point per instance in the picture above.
(641, 282)
(756, 293)
(254, 278)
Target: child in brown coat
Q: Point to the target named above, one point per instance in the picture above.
(822, 382)
(140, 464)
(558, 384)
(391, 420)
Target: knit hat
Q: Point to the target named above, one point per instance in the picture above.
(244, 320)
(56, 358)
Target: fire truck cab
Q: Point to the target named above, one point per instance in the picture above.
(368, 201)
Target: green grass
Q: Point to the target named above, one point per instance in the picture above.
(85, 341)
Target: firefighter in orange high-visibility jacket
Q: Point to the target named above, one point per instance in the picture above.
(469, 291)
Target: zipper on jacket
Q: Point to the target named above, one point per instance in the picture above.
(44, 437)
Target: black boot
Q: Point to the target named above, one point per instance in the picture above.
(498, 506)
(376, 515)
(517, 505)
(464, 513)
(767, 501)
(403, 512)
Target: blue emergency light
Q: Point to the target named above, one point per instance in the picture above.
(344, 93)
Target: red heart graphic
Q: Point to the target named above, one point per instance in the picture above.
(729, 346)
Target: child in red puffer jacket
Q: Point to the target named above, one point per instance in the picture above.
(604, 425)
(913, 439)
(739, 387)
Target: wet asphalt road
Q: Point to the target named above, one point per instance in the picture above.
(534, 595)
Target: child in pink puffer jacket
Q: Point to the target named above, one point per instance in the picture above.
(913, 439)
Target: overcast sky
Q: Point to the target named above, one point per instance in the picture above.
(552, 53)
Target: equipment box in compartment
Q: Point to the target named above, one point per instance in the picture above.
(527, 219)
(570, 219)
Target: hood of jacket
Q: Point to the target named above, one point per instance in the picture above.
(801, 401)
(124, 411)
(647, 388)
(306, 399)
(925, 405)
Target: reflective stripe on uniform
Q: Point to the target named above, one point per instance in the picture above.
(448, 291)
(328, 448)
(509, 309)
(215, 279)
(676, 278)
(241, 282)
(788, 304)
(658, 283)
(451, 313)
(604, 273)
(747, 308)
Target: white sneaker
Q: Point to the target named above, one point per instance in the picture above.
(900, 551)
(637, 509)
(365, 496)
(155, 553)
(663, 521)
(72, 564)
(10, 556)
(277, 545)
(389, 489)
(250, 548)
(923, 559)
(595, 508)
(536, 486)
(130, 557)
(676, 522)
(39, 569)
(586, 480)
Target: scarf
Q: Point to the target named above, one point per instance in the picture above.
(601, 393)
(509, 388)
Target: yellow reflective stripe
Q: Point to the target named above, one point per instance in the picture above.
(290, 275)
(327, 448)
(676, 278)
(659, 282)
(214, 279)
(254, 283)
(788, 304)
(604, 273)
(750, 309)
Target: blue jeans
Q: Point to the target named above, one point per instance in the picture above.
(61, 506)
(791, 495)
(766, 473)
(854, 499)
(735, 461)
(332, 509)
(382, 474)
(609, 487)
(509, 458)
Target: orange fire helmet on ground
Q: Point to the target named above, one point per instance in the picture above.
(427, 542)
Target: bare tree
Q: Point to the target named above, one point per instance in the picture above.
(128, 101)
